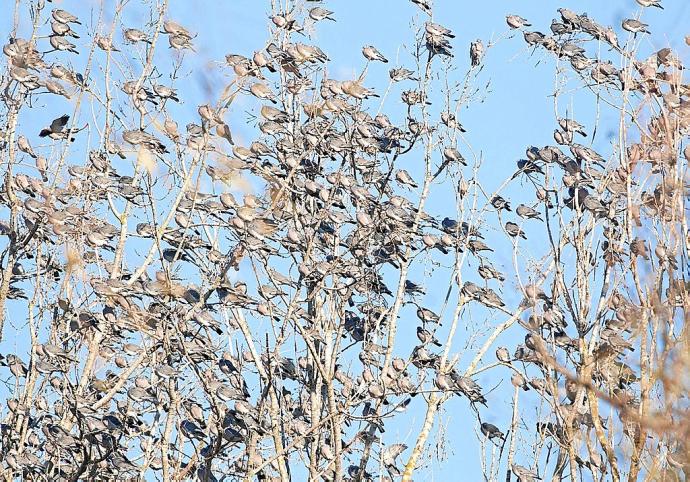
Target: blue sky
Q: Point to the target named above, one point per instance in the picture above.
(513, 109)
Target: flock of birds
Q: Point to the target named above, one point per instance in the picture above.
(338, 213)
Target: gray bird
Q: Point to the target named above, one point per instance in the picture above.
(500, 203)
(438, 30)
(24, 146)
(526, 212)
(476, 52)
(134, 35)
(371, 54)
(61, 43)
(317, 14)
(427, 316)
(514, 230)
(491, 431)
(62, 29)
(635, 26)
(404, 178)
(425, 336)
(571, 125)
(650, 3)
(515, 21)
(523, 474)
(400, 73)
(56, 128)
(64, 16)
(502, 354)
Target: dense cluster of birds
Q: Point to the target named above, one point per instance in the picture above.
(135, 373)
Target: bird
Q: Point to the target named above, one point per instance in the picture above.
(56, 128)
(517, 22)
(404, 178)
(64, 16)
(634, 26)
(262, 91)
(134, 35)
(571, 125)
(62, 29)
(180, 42)
(491, 431)
(527, 212)
(318, 13)
(438, 30)
(427, 316)
(61, 43)
(650, 3)
(171, 27)
(500, 203)
(476, 52)
(371, 54)
(24, 146)
(503, 355)
(105, 43)
(523, 474)
(425, 336)
(514, 230)
(399, 74)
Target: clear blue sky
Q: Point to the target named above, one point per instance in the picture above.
(516, 111)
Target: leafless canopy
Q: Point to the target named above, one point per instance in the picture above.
(160, 321)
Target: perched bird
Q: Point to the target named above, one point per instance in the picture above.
(500, 203)
(262, 91)
(514, 230)
(635, 26)
(426, 337)
(400, 73)
(318, 14)
(526, 212)
(64, 17)
(61, 43)
(24, 146)
(134, 35)
(404, 178)
(476, 52)
(371, 54)
(571, 125)
(503, 355)
(105, 43)
(427, 316)
(491, 431)
(438, 30)
(515, 21)
(523, 474)
(650, 3)
(62, 29)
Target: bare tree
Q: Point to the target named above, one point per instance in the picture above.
(168, 324)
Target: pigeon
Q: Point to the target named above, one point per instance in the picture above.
(476, 52)
(426, 337)
(523, 474)
(317, 14)
(56, 128)
(527, 212)
(635, 26)
(371, 54)
(491, 431)
(64, 17)
(516, 22)
(24, 146)
(650, 3)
